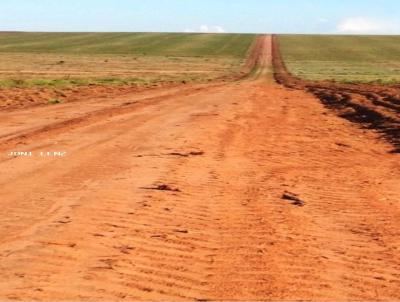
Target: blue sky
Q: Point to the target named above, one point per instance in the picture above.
(255, 16)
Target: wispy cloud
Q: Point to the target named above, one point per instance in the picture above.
(207, 29)
(361, 25)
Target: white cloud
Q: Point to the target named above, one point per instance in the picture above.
(207, 29)
(219, 29)
(361, 25)
(204, 29)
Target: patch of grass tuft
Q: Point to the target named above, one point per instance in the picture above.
(54, 101)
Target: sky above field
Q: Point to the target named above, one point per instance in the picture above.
(252, 16)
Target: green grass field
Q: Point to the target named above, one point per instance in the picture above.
(70, 59)
(343, 58)
(153, 44)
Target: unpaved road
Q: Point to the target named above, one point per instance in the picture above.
(176, 194)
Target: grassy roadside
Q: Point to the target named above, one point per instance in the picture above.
(60, 83)
(76, 82)
(348, 59)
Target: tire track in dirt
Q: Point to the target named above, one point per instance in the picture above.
(189, 206)
(313, 251)
(23, 137)
(165, 250)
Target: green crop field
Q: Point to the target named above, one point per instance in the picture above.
(342, 58)
(154, 44)
(65, 59)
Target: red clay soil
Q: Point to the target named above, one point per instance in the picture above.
(19, 97)
(237, 191)
(13, 98)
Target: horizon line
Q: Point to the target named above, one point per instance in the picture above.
(194, 33)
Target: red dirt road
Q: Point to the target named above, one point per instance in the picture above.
(176, 194)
